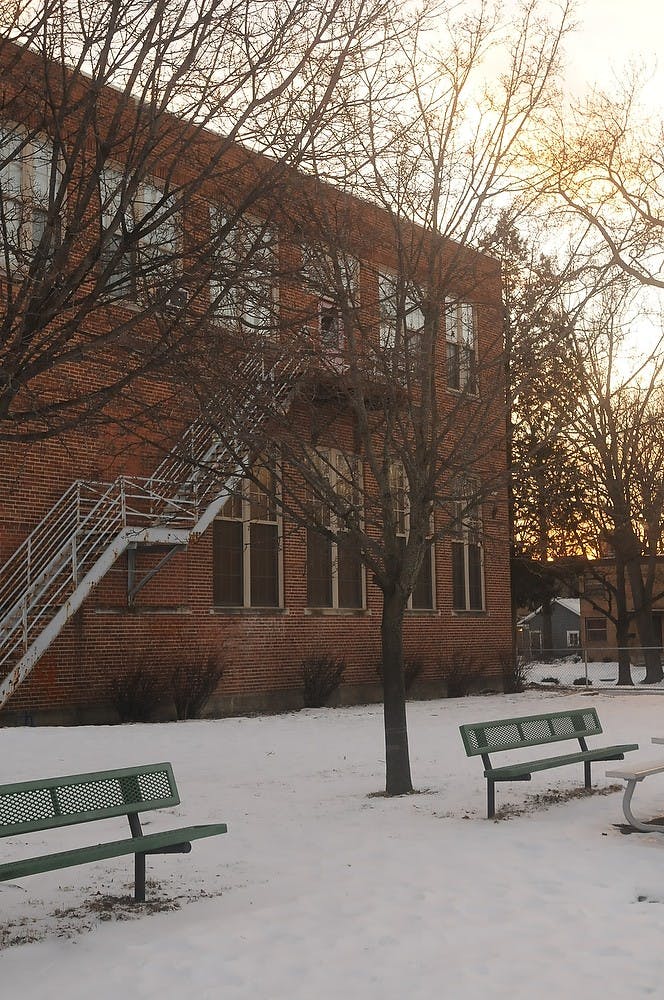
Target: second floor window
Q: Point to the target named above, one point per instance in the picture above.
(28, 182)
(141, 246)
(401, 324)
(242, 291)
(246, 547)
(333, 280)
(595, 630)
(461, 346)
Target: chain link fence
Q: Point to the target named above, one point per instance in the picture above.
(591, 667)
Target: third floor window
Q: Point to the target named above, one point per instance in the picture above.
(461, 346)
(243, 288)
(141, 250)
(29, 180)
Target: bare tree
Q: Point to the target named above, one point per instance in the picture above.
(604, 167)
(120, 122)
(396, 436)
(546, 491)
(617, 429)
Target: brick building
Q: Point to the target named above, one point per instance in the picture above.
(598, 609)
(143, 560)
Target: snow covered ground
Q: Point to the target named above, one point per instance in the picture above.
(323, 889)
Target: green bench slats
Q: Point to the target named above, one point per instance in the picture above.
(51, 803)
(146, 844)
(497, 735)
(516, 770)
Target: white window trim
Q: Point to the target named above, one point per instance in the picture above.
(398, 466)
(139, 207)
(331, 458)
(455, 310)
(466, 523)
(389, 340)
(247, 520)
(325, 292)
(225, 308)
(25, 196)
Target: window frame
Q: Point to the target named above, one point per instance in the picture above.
(401, 506)
(602, 629)
(136, 281)
(460, 354)
(25, 194)
(403, 347)
(248, 495)
(315, 262)
(328, 461)
(467, 532)
(258, 287)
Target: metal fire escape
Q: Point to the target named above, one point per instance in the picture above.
(73, 547)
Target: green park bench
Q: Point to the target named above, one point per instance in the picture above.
(496, 735)
(50, 803)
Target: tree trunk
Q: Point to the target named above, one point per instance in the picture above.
(397, 759)
(622, 626)
(644, 624)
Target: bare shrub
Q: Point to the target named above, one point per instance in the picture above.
(321, 676)
(136, 693)
(192, 682)
(461, 673)
(514, 672)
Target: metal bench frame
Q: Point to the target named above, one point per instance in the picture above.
(633, 776)
(485, 738)
(50, 803)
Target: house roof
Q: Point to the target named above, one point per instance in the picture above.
(572, 604)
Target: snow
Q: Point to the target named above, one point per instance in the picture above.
(568, 671)
(324, 889)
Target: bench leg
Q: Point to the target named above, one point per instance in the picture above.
(629, 815)
(490, 798)
(139, 878)
(586, 773)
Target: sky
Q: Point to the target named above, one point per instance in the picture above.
(323, 888)
(612, 33)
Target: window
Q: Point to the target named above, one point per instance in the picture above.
(461, 346)
(422, 597)
(27, 177)
(334, 566)
(330, 325)
(595, 630)
(243, 290)
(246, 547)
(140, 254)
(331, 280)
(401, 323)
(467, 553)
(573, 639)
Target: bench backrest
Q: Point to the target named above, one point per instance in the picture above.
(78, 798)
(529, 730)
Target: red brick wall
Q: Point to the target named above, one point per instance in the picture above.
(262, 651)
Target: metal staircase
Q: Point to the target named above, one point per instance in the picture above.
(73, 547)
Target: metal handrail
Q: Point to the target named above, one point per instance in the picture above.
(47, 568)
